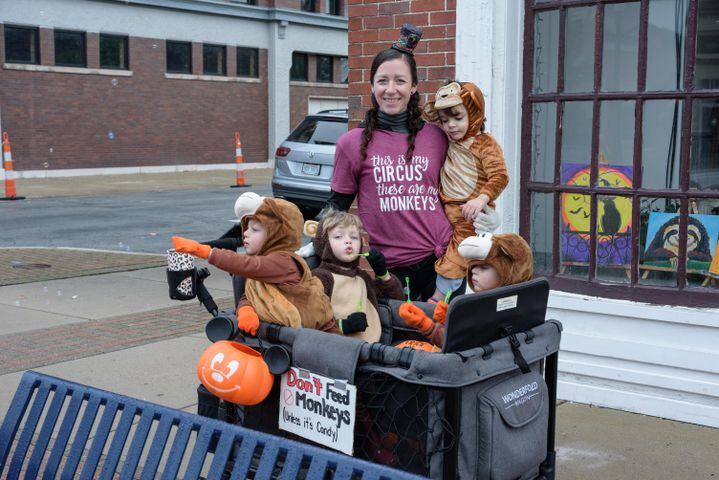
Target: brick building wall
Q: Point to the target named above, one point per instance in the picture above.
(62, 120)
(375, 24)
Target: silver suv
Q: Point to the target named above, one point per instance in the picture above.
(305, 161)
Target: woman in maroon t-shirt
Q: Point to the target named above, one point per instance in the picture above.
(391, 163)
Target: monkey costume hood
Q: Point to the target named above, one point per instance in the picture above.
(350, 288)
(508, 253)
(301, 304)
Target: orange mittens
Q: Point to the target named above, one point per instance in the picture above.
(185, 245)
(415, 317)
(440, 312)
(247, 320)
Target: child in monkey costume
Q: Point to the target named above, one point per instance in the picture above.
(280, 287)
(493, 260)
(472, 177)
(353, 294)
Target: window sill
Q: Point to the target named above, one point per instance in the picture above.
(211, 78)
(691, 297)
(74, 70)
(296, 83)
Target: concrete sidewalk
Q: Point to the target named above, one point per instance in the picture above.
(120, 331)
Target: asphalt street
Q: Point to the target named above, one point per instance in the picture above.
(129, 222)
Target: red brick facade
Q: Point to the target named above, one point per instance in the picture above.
(91, 120)
(61, 120)
(375, 24)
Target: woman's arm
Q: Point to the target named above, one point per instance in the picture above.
(338, 201)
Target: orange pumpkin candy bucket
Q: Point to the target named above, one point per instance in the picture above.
(235, 372)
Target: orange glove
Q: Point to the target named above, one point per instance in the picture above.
(440, 311)
(415, 317)
(185, 245)
(247, 320)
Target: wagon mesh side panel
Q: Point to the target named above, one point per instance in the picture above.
(400, 424)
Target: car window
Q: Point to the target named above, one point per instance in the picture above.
(318, 131)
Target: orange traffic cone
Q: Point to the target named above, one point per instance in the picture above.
(240, 179)
(10, 192)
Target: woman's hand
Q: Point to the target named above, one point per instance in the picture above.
(473, 207)
(487, 220)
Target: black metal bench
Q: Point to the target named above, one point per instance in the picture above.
(139, 445)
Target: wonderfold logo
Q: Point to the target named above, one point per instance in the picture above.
(521, 395)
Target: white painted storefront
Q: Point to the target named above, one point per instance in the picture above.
(659, 360)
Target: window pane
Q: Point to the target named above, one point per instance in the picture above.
(307, 5)
(334, 7)
(704, 167)
(319, 132)
(658, 241)
(706, 72)
(113, 52)
(702, 243)
(213, 60)
(614, 236)
(248, 62)
(544, 130)
(574, 234)
(21, 45)
(69, 48)
(621, 47)
(299, 67)
(579, 50)
(616, 138)
(546, 45)
(344, 70)
(662, 129)
(576, 141)
(542, 222)
(179, 57)
(665, 44)
(324, 68)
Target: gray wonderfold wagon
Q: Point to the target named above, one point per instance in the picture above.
(484, 408)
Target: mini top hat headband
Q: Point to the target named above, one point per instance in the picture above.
(409, 36)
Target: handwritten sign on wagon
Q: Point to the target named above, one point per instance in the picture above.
(318, 408)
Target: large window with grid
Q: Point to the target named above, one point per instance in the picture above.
(620, 147)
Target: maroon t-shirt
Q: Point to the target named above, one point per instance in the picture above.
(398, 200)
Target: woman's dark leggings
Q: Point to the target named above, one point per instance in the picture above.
(422, 279)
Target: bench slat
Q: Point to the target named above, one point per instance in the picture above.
(222, 454)
(154, 455)
(177, 451)
(293, 462)
(138, 444)
(199, 452)
(43, 439)
(80, 440)
(118, 441)
(98, 442)
(268, 460)
(244, 457)
(28, 431)
(63, 434)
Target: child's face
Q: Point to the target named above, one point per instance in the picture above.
(345, 243)
(454, 121)
(254, 236)
(484, 277)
